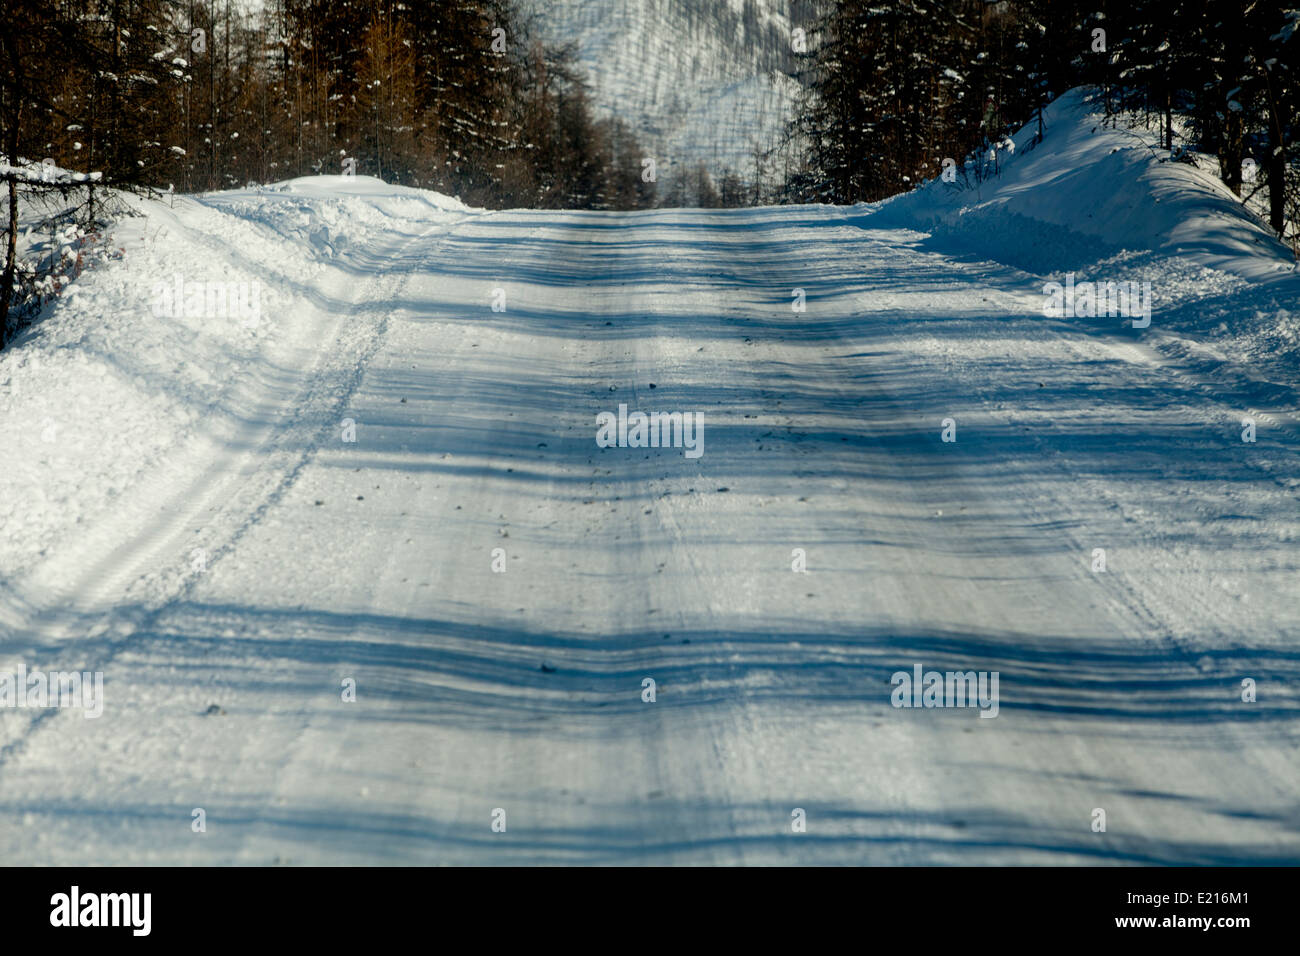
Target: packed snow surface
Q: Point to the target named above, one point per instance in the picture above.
(184, 511)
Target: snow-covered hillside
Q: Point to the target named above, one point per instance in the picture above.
(310, 475)
(698, 81)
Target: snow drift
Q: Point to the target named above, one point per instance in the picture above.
(1091, 189)
(1103, 202)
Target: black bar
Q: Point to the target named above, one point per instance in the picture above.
(651, 906)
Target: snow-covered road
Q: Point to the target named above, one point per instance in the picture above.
(230, 593)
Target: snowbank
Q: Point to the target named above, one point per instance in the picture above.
(1089, 191)
(120, 379)
(1109, 205)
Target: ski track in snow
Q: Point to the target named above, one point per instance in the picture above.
(372, 560)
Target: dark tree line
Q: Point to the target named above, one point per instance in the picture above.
(454, 95)
(894, 87)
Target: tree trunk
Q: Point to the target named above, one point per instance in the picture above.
(1275, 162)
(1231, 148)
(11, 244)
(11, 257)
